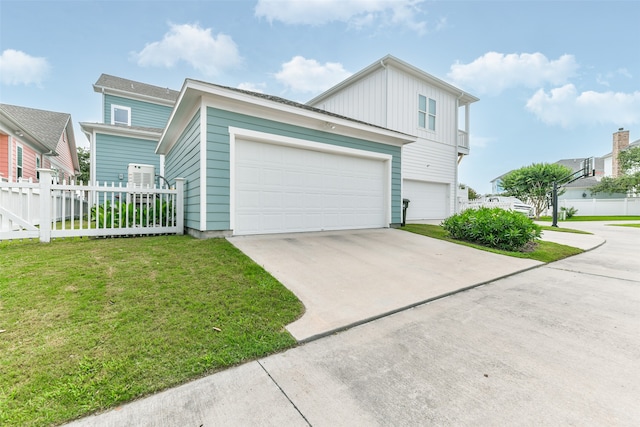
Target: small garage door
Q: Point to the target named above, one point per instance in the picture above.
(282, 188)
(429, 200)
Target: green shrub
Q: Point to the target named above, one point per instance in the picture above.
(158, 212)
(569, 212)
(493, 227)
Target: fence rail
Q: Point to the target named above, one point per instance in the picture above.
(48, 210)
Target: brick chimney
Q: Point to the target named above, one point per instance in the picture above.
(620, 143)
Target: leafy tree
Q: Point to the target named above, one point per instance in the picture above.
(533, 183)
(83, 160)
(473, 194)
(629, 181)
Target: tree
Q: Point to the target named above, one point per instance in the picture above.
(532, 184)
(473, 194)
(83, 160)
(629, 181)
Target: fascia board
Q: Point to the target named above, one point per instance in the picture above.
(392, 61)
(132, 95)
(119, 131)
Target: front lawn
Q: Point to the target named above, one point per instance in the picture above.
(88, 324)
(544, 251)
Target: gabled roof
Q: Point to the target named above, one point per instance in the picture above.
(45, 126)
(126, 87)
(391, 60)
(266, 106)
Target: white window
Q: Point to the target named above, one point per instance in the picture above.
(120, 115)
(426, 112)
(38, 167)
(18, 161)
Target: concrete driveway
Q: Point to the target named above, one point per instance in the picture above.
(345, 278)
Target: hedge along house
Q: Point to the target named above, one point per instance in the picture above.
(258, 164)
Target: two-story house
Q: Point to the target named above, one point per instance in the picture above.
(134, 115)
(398, 96)
(31, 139)
(256, 163)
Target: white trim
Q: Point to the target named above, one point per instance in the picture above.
(305, 145)
(92, 158)
(203, 167)
(127, 132)
(120, 107)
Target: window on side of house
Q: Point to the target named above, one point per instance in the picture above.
(38, 165)
(18, 162)
(426, 113)
(120, 115)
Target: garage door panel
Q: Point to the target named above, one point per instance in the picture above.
(428, 200)
(282, 188)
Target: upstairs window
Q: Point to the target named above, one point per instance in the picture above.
(120, 115)
(426, 113)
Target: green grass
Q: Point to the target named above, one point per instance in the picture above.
(594, 218)
(564, 230)
(544, 251)
(91, 323)
(626, 225)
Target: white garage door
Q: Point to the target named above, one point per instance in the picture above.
(291, 189)
(429, 200)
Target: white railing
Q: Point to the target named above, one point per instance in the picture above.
(48, 210)
(463, 139)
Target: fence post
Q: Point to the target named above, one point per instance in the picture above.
(180, 205)
(45, 205)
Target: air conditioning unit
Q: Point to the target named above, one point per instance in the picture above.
(141, 175)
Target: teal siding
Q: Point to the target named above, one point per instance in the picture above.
(144, 114)
(114, 153)
(184, 162)
(218, 182)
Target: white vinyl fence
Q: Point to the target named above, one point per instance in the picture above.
(48, 210)
(601, 207)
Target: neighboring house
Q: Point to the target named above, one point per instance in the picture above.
(258, 164)
(31, 139)
(134, 116)
(393, 94)
(605, 166)
(580, 188)
(496, 184)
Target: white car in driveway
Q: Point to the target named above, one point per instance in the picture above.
(503, 202)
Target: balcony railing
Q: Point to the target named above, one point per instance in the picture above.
(463, 139)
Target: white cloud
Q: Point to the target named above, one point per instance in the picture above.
(308, 75)
(355, 13)
(565, 107)
(194, 45)
(17, 67)
(494, 72)
(253, 87)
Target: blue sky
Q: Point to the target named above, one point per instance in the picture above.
(555, 78)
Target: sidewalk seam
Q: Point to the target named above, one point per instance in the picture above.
(284, 393)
